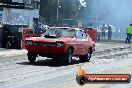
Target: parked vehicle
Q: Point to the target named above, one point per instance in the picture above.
(61, 43)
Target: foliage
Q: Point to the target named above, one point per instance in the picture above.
(66, 9)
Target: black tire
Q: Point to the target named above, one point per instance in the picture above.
(68, 56)
(87, 57)
(31, 57)
(8, 45)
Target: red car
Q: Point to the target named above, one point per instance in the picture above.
(61, 43)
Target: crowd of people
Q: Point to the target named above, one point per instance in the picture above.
(106, 32)
(101, 32)
(106, 29)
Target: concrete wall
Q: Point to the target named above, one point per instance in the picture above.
(11, 16)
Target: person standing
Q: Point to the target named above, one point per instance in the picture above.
(6, 33)
(109, 32)
(103, 31)
(129, 33)
(98, 35)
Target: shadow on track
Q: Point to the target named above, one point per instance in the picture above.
(49, 62)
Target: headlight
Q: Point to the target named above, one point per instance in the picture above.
(60, 44)
(29, 42)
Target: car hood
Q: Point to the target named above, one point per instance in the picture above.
(43, 39)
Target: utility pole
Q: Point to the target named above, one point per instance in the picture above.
(58, 10)
(97, 10)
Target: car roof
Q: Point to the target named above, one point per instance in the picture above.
(76, 29)
(60, 27)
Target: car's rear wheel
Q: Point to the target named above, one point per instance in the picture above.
(8, 45)
(86, 57)
(68, 56)
(31, 57)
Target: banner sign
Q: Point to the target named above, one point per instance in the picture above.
(83, 78)
(12, 5)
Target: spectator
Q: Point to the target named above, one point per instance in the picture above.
(129, 33)
(109, 32)
(103, 29)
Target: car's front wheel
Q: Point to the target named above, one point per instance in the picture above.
(31, 57)
(68, 56)
(86, 57)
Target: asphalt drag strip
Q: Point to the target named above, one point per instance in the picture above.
(17, 72)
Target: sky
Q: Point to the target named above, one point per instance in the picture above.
(116, 12)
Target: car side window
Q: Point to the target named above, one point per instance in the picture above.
(84, 36)
(79, 35)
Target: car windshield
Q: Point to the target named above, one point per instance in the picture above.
(59, 32)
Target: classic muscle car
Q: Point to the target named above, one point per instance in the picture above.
(61, 43)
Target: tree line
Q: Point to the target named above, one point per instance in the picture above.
(67, 9)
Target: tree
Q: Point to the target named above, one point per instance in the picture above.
(68, 9)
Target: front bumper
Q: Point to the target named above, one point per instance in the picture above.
(50, 50)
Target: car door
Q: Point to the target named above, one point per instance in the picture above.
(80, 43)
(85, 43)
(89, 41)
